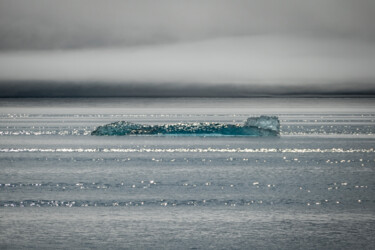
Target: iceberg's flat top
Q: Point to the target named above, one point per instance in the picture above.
(254, 126)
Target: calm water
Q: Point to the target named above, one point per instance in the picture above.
(312, 187)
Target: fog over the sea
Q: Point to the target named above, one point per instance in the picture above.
(186, 47)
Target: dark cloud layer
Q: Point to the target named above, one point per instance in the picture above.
(69, 89)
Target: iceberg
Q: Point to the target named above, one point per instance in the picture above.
(253, 126)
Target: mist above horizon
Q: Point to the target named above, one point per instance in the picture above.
(186, 48)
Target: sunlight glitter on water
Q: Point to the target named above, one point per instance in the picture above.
(186, 150)
(317, 176)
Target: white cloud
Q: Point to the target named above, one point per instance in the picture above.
(244, 60)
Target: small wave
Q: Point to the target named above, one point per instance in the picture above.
(173, 202)
(157, 202)
(186, 150)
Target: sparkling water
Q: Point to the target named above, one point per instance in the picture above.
(310, 187)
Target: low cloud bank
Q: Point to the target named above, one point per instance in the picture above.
(240, 66)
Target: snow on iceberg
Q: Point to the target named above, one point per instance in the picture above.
(264, 122)
(254, 126)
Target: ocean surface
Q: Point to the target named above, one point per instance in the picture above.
(312, 187)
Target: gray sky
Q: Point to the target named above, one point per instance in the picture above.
(186, 47)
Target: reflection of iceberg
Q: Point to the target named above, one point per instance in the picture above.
(254, 126)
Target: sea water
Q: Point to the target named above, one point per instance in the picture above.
(312, 187)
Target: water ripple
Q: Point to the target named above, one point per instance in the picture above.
(186, 150)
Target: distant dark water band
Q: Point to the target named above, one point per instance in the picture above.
(185, 150)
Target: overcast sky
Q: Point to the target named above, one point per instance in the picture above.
(186, 47)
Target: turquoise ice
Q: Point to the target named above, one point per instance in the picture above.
(254, 126)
